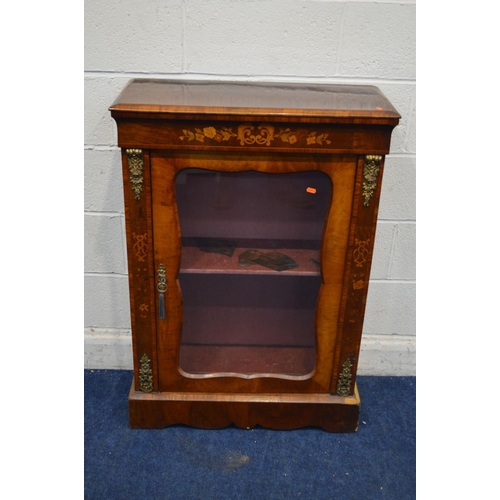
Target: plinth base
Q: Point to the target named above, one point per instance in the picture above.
(216, 410)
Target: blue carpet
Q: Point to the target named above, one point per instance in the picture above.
(179, 462)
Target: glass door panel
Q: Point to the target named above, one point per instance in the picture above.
(250, 271)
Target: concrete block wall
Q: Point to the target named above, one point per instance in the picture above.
(315, 41)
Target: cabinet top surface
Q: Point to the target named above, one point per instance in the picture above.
(230, 98)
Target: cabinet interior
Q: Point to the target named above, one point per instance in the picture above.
(250, 270)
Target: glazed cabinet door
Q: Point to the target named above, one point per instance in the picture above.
(249, 257)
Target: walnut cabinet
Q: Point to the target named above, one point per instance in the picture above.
(250, 214)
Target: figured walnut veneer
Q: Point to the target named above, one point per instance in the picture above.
(165, 127)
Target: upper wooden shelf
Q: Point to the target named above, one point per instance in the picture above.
(194, 261)
(338, 103)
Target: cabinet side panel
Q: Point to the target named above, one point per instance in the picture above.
(137, 196)
(357, 272)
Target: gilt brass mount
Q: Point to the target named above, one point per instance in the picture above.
(371, 170)
(135, 160)
(345, 379)
(145, 375)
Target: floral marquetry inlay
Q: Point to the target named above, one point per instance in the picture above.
(261, 135)
(358, 284)
(140, 246)
(360, 253)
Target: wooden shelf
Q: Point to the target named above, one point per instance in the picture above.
(195, 261)
(218, 361)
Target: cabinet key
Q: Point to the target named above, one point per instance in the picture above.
(162, 288)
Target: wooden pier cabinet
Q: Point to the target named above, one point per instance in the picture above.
(250, 214)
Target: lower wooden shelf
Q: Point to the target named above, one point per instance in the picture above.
(217, 410)
(201, 361)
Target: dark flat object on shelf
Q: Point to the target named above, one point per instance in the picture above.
(215, 245)
(272, 260)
